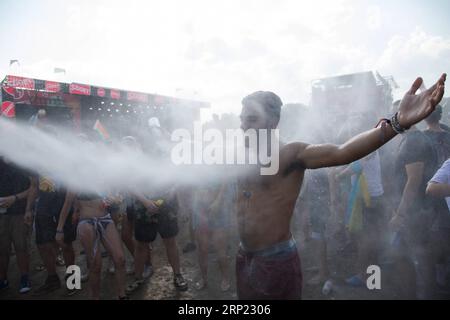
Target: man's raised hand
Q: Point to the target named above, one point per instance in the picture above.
(417, 107)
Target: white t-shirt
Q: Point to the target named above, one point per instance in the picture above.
(442, 176)
(372, 172)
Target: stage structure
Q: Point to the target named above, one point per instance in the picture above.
(79, 106)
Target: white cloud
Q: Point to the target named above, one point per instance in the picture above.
(417, 54)
(227, 49)
(374, 17)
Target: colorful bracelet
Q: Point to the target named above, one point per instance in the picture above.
(395, 124)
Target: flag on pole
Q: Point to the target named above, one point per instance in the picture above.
(11, 62)
(101, 130)
(59, 70)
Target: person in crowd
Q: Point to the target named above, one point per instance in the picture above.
(50, 199)
(95, 227)
(14, 231)
(365, 214)
(211, 221)
(316, 204)
(411, 221)
(438, 188)
(44, 203)
(154, 214)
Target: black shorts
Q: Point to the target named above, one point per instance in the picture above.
(47, 215)
(165, 224)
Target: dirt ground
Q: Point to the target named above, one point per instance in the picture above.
(160, 285)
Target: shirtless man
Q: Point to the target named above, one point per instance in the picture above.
(267, 264)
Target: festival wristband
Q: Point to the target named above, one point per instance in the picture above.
(395, 125)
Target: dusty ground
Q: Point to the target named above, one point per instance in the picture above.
(160, 286)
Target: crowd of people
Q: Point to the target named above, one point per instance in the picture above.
(107, 225)
(384, 203)
(386, 209)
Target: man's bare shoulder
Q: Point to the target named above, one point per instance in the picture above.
(290, 151)
(293, 146)
(289, 156)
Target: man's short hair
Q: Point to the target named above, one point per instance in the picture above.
(269, 100)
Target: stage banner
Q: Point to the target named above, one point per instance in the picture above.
(137, 96)
(101, 92)
(81, 89)
(52, 86)
(115, 94)
(20, 82)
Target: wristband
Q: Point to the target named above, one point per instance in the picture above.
(59, 232)
(395, 125)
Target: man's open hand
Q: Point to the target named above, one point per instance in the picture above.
(417, 107)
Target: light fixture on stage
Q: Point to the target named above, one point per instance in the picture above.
(109, 110)
(112, 103)
(103, 102)
(99, 109)
(117, 110)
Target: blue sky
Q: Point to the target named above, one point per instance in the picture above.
(222, 50)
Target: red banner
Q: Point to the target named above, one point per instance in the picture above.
(158, 100)
(115, 94)
(22, 90)
(101, 92)
(81, 89)
(52, 86)
(8, 110)
(136, 96)
(20, 82)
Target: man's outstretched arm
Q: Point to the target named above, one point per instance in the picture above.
(413, 109)
(330, 155)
